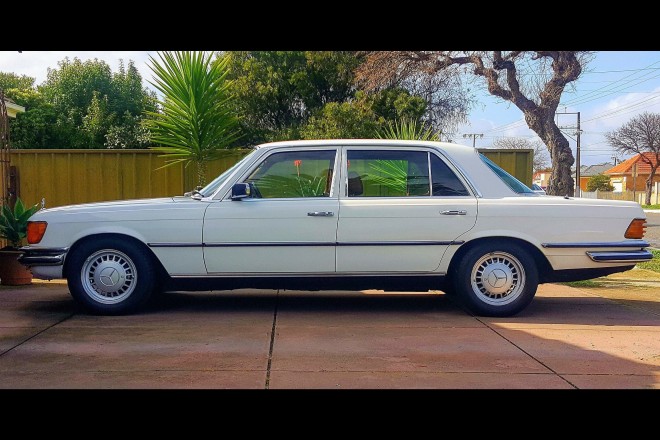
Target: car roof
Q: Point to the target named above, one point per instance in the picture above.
(385, 143)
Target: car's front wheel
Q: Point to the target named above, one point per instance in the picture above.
(110, 277)
(496, 279)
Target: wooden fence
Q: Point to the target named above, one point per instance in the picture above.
(637, 196)
(518, 163)
(64, 177)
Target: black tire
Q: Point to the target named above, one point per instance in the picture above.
(496, 279)
(110, 277)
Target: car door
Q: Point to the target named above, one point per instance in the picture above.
(289, 223)
(399, 210)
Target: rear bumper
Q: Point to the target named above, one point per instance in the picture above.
(621, 256)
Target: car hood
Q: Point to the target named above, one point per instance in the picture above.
(107, 209)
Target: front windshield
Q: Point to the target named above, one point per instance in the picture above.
(209, 189)
(513, 183)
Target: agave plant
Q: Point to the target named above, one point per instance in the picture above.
(13, 223)
(407, 129)
(195, 121)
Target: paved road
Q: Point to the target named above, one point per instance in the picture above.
(567, 338)
(653, 229)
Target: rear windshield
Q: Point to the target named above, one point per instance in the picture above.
(513, 183)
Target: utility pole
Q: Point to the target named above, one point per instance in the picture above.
(577, 151)
(474, 137)
(615, 159)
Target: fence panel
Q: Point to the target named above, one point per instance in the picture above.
(65, 177)
(518, 163)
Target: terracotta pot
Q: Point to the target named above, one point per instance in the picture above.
(13, 273)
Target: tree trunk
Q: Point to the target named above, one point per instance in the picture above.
(201, 173)
(561, 180)
(649, 186)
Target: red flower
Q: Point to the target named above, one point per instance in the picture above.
(297, 162)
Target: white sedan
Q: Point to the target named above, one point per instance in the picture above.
(340, 214)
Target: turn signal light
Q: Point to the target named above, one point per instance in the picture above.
(636, 229)
(36, 231)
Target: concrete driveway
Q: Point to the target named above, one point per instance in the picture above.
(567, 338)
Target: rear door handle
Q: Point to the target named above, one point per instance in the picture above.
(321, 214)
(461, 212)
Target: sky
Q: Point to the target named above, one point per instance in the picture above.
(614, 87)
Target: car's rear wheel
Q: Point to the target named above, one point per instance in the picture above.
(496, 279)
(110, 277)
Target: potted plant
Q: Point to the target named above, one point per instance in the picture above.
(13, 228)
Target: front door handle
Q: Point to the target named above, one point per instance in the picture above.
(461, 212)
(321, 214)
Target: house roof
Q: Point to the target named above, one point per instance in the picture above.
(592, 170)
(626, 167)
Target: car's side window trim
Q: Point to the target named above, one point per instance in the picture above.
(333, 191)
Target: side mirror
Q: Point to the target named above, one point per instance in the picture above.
(240, 191)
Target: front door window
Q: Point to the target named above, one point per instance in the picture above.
(294, 175)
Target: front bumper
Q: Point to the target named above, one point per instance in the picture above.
(33, 256)
(45, 263)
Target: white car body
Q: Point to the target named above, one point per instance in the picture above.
(399, 243)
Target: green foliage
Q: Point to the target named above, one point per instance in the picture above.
(277, 91)
(196, 118)
(9, 80)
(78, 105)
(599, 182)
(654, 264)
(407, 129)
(13, 223)
(301, 185)
(346, 120)
(363, 116)
(131, 132)
(392, 174)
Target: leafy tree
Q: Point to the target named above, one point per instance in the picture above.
(599, 182)
(640, 135)
(36, 128)
(196, 120)
(277, 91)
(345, 120)
(9, 80)
(363, 116)
(532, 80)
(88, 99)
(540, 160)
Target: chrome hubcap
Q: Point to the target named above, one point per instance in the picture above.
(109, 276)
(498, 278)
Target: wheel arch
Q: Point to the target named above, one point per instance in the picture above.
(543, 265)
(160, 269)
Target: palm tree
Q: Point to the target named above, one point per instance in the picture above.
(195, 121)
(407, 129)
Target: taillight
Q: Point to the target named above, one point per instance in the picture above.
(636, 229)
(36, 231)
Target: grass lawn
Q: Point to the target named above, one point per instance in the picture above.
(651, 206)
(654, 264)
